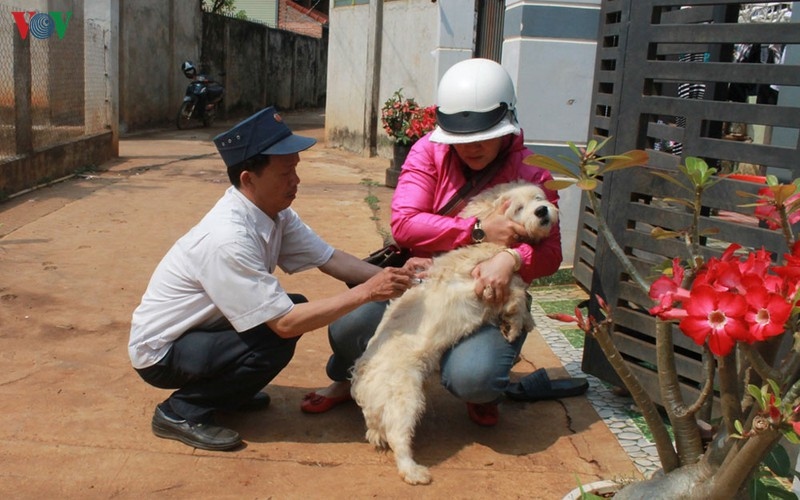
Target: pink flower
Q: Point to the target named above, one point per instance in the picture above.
(768, 211)
(667, 291)
(716, 317)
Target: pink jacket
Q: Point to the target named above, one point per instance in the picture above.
(431, 175)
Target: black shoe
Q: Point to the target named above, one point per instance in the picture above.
(200, 435)
(258, 402)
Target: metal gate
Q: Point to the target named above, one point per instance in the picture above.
(683, 78)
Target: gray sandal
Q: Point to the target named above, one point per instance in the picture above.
(538, 386)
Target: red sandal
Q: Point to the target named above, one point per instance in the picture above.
(483, 414)
(316, 403)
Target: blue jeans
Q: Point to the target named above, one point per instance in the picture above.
(474, 370)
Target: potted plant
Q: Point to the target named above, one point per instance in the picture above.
(405, 122)
(730, 305)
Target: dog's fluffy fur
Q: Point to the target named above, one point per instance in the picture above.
(418, 327)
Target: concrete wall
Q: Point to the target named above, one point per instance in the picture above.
(257, 65)
(155, 37)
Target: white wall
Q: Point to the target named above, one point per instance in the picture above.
(408, 60)
(346, 93)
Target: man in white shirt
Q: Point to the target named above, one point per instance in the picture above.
(215, 323)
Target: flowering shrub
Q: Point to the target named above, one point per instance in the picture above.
(731, 299)
(728, 305)
(404, 120)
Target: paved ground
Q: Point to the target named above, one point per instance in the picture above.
(74, 261)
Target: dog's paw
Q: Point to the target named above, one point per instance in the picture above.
(416, 474)
(510, 329)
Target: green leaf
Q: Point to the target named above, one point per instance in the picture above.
(755, 391)
(776, 390)
(738, 426)
(791, 436)
(575, 149)
(778, 461)
(670, 178)
(557, 184)
(587, 184)
(783, 192)
(550, 164)
(663, 234)
(680, 201)
(774, 492)
(603, 144)
(633, 158)
(708, 232)
(745, 194)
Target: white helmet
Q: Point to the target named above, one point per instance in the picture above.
(475, 102)
(188, 69)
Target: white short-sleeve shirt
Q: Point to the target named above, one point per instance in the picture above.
(222, 269)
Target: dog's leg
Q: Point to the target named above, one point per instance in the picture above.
(515, 316)
(400, 417)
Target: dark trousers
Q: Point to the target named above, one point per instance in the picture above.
(219, 369)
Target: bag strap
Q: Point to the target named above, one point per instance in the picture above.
(472, 186)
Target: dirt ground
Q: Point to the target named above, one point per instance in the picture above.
(74, 260)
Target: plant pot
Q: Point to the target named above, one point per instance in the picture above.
(399, 154)
(599, 488)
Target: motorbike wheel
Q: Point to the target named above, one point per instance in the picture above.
(209, 115)
(184, 117)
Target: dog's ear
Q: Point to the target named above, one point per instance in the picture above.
(502, 204)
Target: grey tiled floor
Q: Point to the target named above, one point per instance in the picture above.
(614, 410)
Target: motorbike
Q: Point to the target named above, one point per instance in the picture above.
(201, 100)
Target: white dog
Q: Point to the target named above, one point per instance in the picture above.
(418, 327)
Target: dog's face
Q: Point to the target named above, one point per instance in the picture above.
(529, 206)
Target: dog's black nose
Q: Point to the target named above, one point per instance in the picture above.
(541, 212)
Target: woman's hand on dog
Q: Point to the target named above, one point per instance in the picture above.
(500, 229)
(493, 277)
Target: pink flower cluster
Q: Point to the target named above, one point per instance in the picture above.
(422, 121)
(769, 213)
(731, 299)
(404, 120)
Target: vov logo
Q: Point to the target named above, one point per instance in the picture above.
(41, 25)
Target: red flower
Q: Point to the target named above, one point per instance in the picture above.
(716, 317)
(767, 315)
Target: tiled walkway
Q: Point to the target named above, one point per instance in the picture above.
(617, 412)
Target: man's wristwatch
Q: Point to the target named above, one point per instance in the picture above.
(477, 232)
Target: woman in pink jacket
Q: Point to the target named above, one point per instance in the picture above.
(477, 134)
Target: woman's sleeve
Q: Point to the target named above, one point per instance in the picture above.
(415, 224)
(542, 259)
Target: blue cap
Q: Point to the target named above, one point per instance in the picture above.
(264, 133)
